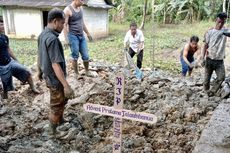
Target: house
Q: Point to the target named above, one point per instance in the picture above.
(27, 18)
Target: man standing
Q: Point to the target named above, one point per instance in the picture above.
(214, 54)
(10, 67)
(74, 29)
(52, 67)
(135, 39)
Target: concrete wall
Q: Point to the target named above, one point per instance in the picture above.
(96, 2)
(27, 22)
(97, 21)
(215, 138)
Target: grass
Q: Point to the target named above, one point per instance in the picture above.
(167, 40)
(25, 50)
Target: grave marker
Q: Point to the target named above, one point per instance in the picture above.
(119, 113)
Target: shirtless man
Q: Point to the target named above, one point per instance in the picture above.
(187, 56)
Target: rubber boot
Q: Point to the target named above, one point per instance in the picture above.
(75, 67)
(52, 130)
(5, 95)
(86, 65)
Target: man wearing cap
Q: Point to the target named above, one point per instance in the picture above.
(74, 29)
(214, 54)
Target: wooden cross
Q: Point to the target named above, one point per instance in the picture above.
(119, 113)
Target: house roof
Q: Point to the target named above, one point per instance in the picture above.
(52, 3)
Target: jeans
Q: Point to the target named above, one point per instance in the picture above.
(139, 57)
(184, 65)
(78, 44)
(13, 69)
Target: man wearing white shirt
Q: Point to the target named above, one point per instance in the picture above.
(134, 38)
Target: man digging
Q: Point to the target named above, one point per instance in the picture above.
(187, 56)
(135, 39)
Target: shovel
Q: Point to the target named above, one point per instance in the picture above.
(138, 73)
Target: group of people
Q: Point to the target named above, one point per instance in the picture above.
(212, 56)
(51, 60)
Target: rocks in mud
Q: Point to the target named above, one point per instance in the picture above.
(138, 142)
(181, 106)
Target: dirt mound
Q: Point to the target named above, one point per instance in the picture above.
(181, 106)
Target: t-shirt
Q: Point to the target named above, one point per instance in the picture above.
(135, 41)
(216, 43)
(50, 51)
(4, 53)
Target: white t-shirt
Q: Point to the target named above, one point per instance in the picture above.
(216, 43)
(135, 41)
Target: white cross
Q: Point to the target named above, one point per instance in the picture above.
(119, 113)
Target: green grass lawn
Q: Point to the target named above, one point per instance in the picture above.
(164, 38)
(158, 39)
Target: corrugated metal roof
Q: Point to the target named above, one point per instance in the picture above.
(49, 3)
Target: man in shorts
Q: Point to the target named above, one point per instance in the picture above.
(10, 67)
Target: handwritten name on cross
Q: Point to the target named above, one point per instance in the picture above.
(119, 113)
(118, 104)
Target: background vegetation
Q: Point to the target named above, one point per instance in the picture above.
(168, 11)
(173, 22)
(168, 42)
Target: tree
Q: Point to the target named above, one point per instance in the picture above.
(224, 5)
(144, 14)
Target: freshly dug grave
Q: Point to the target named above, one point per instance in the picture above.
(181, 106)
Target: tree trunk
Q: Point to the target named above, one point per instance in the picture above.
(144, 14)
(164, 20)
(122, 9)
(224, 5)
(152, 52)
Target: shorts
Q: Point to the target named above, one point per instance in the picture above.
(78, 44)
(57, 100)
(13, 69)
(184, 65)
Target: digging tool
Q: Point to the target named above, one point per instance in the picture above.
(138, 73)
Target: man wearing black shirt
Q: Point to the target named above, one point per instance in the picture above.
(9, 67)
(52, 67)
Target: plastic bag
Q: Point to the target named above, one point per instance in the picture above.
(138, 73)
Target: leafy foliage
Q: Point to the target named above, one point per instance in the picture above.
(129, 10)
(167, 11)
